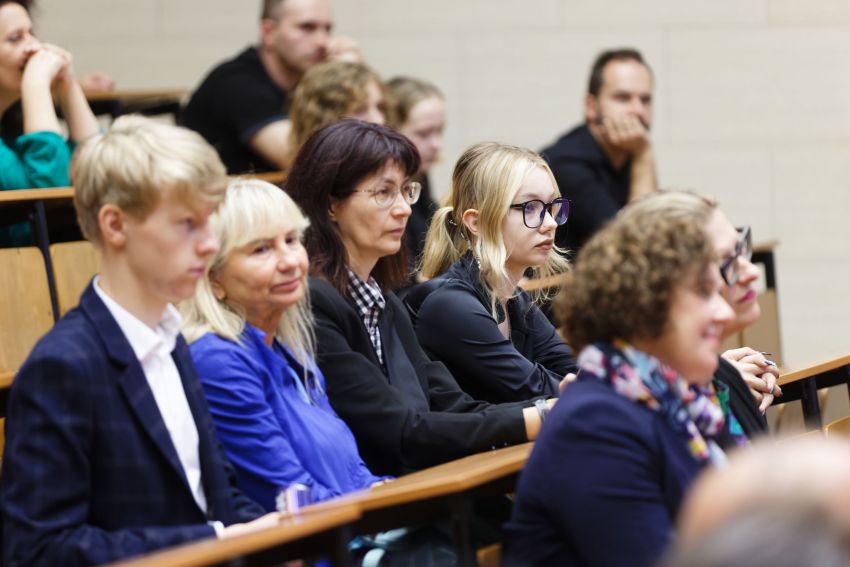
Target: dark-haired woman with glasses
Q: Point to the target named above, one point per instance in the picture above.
(352, 180)
(498, 223)
(745, 380)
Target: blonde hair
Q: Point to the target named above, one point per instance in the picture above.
(252, 209)
(486, 178)
(403, 93)
(327, 92)
(138, 160)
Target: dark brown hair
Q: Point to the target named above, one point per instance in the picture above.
(623, 54)
(328, 168)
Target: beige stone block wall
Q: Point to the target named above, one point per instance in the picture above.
(752, 98)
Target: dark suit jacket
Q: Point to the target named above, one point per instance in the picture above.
(603, 484)
(455, 326)
(90, 474)
(414, 415)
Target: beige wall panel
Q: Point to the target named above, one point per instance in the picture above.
(68, 23)
(812, 204)
(441, 15)
(738, 177)
(809, 11)
(814, 309)
(611, 13)
(757, 85)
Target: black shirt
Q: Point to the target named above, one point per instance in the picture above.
(234, 102)
(585, 176)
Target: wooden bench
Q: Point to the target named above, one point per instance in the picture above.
(803, 385)
(442, 492)
(309, 534)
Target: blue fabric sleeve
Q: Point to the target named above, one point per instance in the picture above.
(252, 437)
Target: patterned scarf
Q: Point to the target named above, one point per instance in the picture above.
(692, 410)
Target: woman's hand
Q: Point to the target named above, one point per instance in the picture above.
(758, 372)
(44, 66)
(568, 379)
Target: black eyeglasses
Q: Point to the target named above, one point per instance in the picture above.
(729, 268)
(386, 196)
(534, 211)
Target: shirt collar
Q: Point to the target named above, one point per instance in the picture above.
(367, 295)
(143, 340)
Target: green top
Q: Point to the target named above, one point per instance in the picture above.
(39, 159)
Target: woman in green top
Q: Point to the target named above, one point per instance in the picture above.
(32, 72)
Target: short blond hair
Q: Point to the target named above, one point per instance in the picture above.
(327, 92)
(135, 162)
(252, 209)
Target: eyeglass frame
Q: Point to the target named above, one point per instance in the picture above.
(547, 208)
(415, 186)
(743, 248)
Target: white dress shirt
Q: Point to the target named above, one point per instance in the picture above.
(153, 349)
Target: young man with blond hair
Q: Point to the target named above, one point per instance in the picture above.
(110, 449)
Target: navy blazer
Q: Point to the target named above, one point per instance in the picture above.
(413, 414)
(90, 474)
(602, 486)
(454, 325)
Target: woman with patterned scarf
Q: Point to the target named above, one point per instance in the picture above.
(615, 457)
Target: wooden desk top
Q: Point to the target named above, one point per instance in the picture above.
(23, 195)
(814, 370)
(212, 551)
(136, 95)
(6, 379)
(446, 479)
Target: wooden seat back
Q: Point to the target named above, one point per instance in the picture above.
(838, 428)
(25, 310)
(74, 265)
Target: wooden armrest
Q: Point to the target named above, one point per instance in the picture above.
(213, 551)
(542, 283)
(814, 370)
(22, 195)
(6, 379)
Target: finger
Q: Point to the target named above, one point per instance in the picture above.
(757, 384)
(766, 401)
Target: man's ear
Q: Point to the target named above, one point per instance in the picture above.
(112, 221)
(591, 109)
(470, 221)
(267, 28)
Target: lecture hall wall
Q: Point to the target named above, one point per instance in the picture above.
(752, 98)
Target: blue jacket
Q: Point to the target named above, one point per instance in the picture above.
(90, 474)
(603, 484)
(272, 434)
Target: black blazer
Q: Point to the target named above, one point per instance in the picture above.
(741, 402)
(90, 474)
(455, 326)
(414, 415)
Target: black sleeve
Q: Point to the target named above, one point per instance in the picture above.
(454, 327)
(392, 436)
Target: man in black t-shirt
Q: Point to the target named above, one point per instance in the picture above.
(241, 106)
(608, 161)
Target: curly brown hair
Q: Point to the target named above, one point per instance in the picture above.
(327, 92)
(624, 278)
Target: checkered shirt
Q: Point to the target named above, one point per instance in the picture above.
(370, 304)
